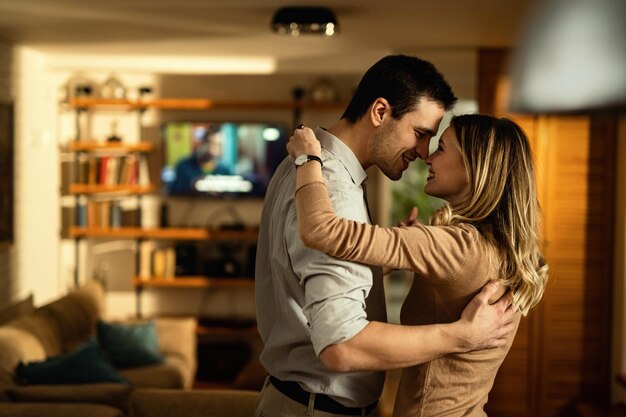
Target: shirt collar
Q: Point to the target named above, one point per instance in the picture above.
(343, 153)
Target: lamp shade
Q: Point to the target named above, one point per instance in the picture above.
(305, 20)
(571, 56)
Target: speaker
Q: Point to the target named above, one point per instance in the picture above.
(222, 267)
(224, 263)
(186, 260)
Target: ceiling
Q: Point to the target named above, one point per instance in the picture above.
(240, 28)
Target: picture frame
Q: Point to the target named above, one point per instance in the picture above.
(7, 172)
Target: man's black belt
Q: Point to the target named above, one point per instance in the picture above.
(322, 402)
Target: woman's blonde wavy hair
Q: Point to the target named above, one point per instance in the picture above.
(502, 202)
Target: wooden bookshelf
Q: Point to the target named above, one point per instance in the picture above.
(168, 233)
(113, 189)
(202, 104)
(140, 233)
(94, 146)
(96, 202)
(193, 282)
(91, 102)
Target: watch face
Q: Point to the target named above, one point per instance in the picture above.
(301, 159)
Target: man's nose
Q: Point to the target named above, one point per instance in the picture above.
(421, 149)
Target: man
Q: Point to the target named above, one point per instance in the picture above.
(204, 160)
(322, 320)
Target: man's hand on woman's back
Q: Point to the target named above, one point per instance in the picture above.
(486, 324)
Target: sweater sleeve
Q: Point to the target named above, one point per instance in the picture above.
(433, 252)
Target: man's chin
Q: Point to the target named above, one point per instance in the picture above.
(393, 175)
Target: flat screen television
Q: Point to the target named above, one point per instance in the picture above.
(221, 159)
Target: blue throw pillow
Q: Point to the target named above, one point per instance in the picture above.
(130, 345)
(87, 364)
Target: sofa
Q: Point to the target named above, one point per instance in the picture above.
(36, 334)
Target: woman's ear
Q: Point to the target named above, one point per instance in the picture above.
(379, 111)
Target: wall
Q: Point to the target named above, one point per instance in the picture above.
(31, 262)
(37, 177)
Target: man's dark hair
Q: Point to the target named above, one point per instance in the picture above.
(402, 80)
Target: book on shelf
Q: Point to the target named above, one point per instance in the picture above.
(115, 215)
(102, 163)
(144, 171)
(111, 177)
(145, 259)
(104, 214)
(92, 176)
(81, 212)
(82, 174)
(164, 262)
(99, 214)
(131, 169)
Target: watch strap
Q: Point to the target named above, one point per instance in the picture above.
(312, 158)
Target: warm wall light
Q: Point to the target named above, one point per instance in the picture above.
(572, 56)
(295, 21)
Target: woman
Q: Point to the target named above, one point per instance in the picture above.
(488, 230)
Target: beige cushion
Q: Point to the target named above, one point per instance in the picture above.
(163, 375)
(17, 345)
(195, 403)
(19, 308)
(76, 314)
(42, 326)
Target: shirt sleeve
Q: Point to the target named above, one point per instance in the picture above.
(433, 252)
(334, 290)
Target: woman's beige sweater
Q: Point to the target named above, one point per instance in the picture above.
(451, 265)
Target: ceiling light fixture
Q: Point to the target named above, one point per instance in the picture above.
(295, 21)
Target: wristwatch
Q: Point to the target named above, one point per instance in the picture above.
(304, 158)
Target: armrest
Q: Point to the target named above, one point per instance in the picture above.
(177, 342)
(193, 403)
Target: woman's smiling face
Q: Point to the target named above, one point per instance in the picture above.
(447, 175)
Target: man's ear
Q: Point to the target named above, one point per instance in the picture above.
(380, 110)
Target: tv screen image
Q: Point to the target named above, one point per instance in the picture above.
(224, 159)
